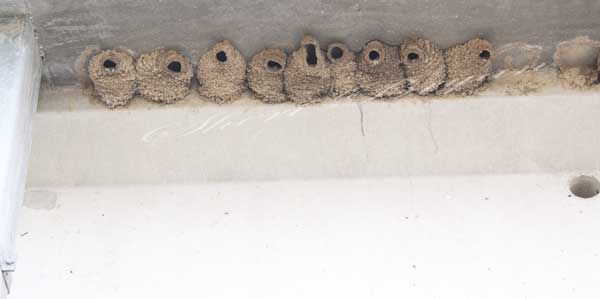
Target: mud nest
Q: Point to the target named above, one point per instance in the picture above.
(343, 70)
(164, 75)
(575, 71)
(307, 74)
(379, 72)
(424, 65)
(265, 75)
(222, 73)
(469, 66)
(113, 75)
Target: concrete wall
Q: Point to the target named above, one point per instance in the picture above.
(13, 7)
(66, 28)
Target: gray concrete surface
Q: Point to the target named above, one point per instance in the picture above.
(79, 142)
(66, 28)
(13, 7)
(492, 237)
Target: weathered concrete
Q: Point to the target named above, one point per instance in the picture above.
(492, 237)
(194, 141)
(67, 27)
(13, 7)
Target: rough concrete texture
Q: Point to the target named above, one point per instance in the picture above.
(469, 66)
(222, 73)
(67, 27)
(380, 74)
(265, 75)
(343, 70)
(13, 7)
(424, 65)
(164, 75)
(113, 76)
(307, 75)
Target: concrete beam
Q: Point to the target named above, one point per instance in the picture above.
(80, 142)
(66, 28)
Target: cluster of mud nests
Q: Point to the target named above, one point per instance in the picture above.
(306, 75)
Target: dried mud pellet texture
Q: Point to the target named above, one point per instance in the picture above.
(265, 75)
(164, 75)
(343, 70)
(424, 65)
(113, 75)
(577, 77)
(380, 73)
(307, 74)
(469, 66)
(577, 62)
(222, 73)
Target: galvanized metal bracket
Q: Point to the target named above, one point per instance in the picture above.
(20, 71)
(7, 280)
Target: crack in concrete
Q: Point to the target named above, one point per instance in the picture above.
(433, 140)
(362, 119)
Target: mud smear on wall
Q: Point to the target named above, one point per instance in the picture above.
(523, 82)
(424, 65)
(164, 75)
(113, 76)
(307, 75)
(519, 70)
(469, 66)
(379, 72)
(222, 73)
(518, 56)
(577, 62)
(82, 66)
(265, 75)
(343, 70)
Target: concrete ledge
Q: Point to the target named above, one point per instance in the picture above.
(77, 141)
(493, 237)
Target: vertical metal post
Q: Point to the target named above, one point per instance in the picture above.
(20, 70)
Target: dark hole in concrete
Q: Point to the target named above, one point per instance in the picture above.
(109, 64)
(222, 56)
(337, 52)
(374, 55)
(273, 66)
(485, 55)
(311, 54)
(412, 57)
(174, 66)
(585, 186)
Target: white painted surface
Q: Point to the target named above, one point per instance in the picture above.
(414, 237)
(3, 290)
(19, 85)
(78, 142)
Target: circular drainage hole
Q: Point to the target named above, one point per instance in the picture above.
(585, 186)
